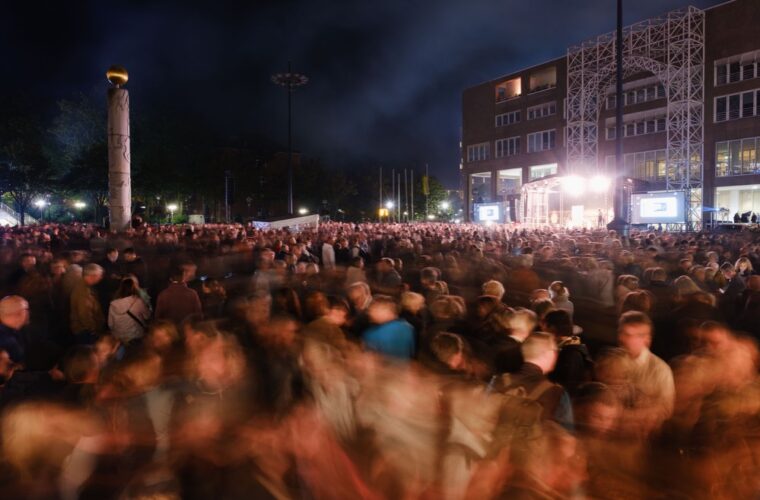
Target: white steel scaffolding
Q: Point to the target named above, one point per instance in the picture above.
(671, 47)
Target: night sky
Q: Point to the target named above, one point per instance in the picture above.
(386, 77)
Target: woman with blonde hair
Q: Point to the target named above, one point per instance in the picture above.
(743, 267)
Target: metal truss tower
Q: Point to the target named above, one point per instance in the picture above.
(671, 47)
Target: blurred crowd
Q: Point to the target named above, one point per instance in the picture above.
(405, 361)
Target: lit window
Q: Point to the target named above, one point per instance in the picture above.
(543, 79)
(509, 89)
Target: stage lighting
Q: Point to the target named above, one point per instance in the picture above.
(574, 185)
(599, 184)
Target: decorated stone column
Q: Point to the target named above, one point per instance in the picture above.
(119, 175)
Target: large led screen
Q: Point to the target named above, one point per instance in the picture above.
(487, 212)
(658, 208)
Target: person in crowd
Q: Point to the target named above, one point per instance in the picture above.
(135, 265)
(560, 295)
(301, 383)
(539, 353)
(178, 301)
(517, 325)
(128, 315)
(388, 280)
(574, 364)
(355, 271)
(87, 318)
(389, 335)
(493, 288)
(14, 315)
(649, 375)
(328, 327)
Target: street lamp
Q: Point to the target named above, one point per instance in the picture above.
(389, 204)
(303, 211)
(290, 81)
(41, 204)
(79, 205)
(445, 205)
(172, 207)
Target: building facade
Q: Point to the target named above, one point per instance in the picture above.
(691, 95)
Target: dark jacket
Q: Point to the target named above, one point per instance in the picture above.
(177, 302)
(11, 341)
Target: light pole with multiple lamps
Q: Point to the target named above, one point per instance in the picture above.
(290, 81)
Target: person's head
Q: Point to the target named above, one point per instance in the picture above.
(520, 323)
(634, 332)
(715, 337)
(685, 286)
(280, 332)
(220, 363)
(628, 281)
(14, 312)
(558, 290)
(658, 275)
(337, 310)
(539, 294)
(58, 267)
(382, 309)
(429, 275)
(198, 333)
(493, 288)
(127, 288)
(541, 350)
(92, 274)
(697, 273)
(162, 336)
(28, 262)
(743, 265)
(685, 264)
(385, 265)
(638, 300)
(359, 295)
(728, 271)
(449, 349)
(80, 365)
(129, 254)
(596, 409)
(558, 323)
(613, 368)
(112, 254)
(542, 307)
(447, 308)
(412, 302)
(105, 349)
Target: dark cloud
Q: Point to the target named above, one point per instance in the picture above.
(386, 77)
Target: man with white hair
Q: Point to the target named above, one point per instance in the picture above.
(493, 288)
(14, 315)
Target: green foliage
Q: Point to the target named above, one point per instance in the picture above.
(25, 171)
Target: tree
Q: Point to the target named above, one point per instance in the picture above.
(80, 152)
(25, 171)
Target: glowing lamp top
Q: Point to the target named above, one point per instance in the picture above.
(117, 75)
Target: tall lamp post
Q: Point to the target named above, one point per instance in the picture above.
(290, 81)
(620, 222)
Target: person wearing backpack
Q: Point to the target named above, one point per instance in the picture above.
(574, 364)
(128, 314)
(531, 381)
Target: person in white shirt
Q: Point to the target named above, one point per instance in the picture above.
(650, 376)
(128, 314)
(328, 254)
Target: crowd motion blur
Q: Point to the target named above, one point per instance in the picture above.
(396, 361)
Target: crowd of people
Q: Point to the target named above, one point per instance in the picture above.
(378, 361)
